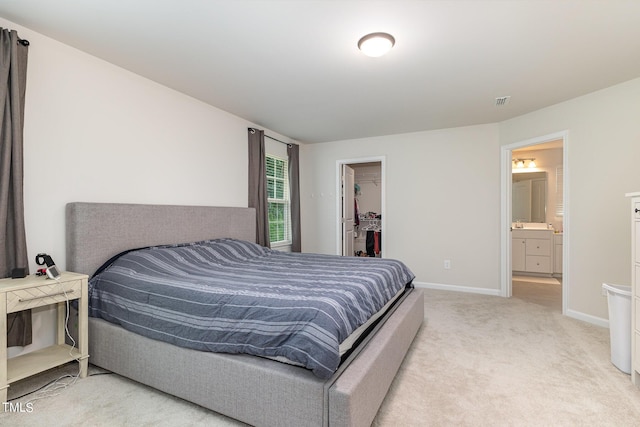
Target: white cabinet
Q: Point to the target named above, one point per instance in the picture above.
(532, 251)
(518, 254)
(635, 285)
(557, 254)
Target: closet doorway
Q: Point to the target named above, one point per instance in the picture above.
(368, 201)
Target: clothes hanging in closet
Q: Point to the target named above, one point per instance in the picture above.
(374, 243)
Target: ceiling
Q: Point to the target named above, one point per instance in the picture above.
(294, 67)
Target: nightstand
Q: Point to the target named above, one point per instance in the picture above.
(38, 291)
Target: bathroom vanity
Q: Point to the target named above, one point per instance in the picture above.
(533, 251)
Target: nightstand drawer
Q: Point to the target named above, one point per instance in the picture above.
(50, 293)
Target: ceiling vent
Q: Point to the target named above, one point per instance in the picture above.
(502, 101)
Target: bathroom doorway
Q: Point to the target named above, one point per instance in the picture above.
(538, 275)
(368, 201)
(536, 202)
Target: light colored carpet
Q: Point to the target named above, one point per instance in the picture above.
(489, 361)
(477, 361)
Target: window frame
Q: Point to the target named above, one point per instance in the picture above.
(285, 200)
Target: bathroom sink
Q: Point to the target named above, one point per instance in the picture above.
(531, 226)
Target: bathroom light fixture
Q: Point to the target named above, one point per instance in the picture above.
(519, 163)
(376, 44)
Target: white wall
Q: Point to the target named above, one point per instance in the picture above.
(95, 132)
(603, 153)
(443, 195)
(368, 176)
(442, 201)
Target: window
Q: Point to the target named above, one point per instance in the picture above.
(278, 198)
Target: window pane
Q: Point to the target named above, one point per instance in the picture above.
(278, 195)
(271, 193)
(279, 172)
(270, 166)
(279, 190)
(276, 222)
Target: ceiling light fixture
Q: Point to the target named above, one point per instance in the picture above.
(376, 44)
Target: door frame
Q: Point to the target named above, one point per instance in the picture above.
(339, 163)
(347, 217)
(505, 212)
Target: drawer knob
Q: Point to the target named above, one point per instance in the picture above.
(637, 210)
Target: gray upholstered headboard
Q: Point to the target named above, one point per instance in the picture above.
(97, 231)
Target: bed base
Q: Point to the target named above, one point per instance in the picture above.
(254, 390)
(259, 391)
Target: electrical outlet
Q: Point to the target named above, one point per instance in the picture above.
(447, 264)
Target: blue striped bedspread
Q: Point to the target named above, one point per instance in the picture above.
(233, 296)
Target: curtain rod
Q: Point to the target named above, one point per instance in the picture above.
(288, 144)
(23, 42)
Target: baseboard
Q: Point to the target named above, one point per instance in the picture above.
(457, 288)
(598, 321)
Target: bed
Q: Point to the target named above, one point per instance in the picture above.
(255, 390)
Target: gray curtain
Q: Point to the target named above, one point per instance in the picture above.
(293, 151)
(13, 244)
(258, 185)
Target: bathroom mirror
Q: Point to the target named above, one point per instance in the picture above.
(529, 196)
